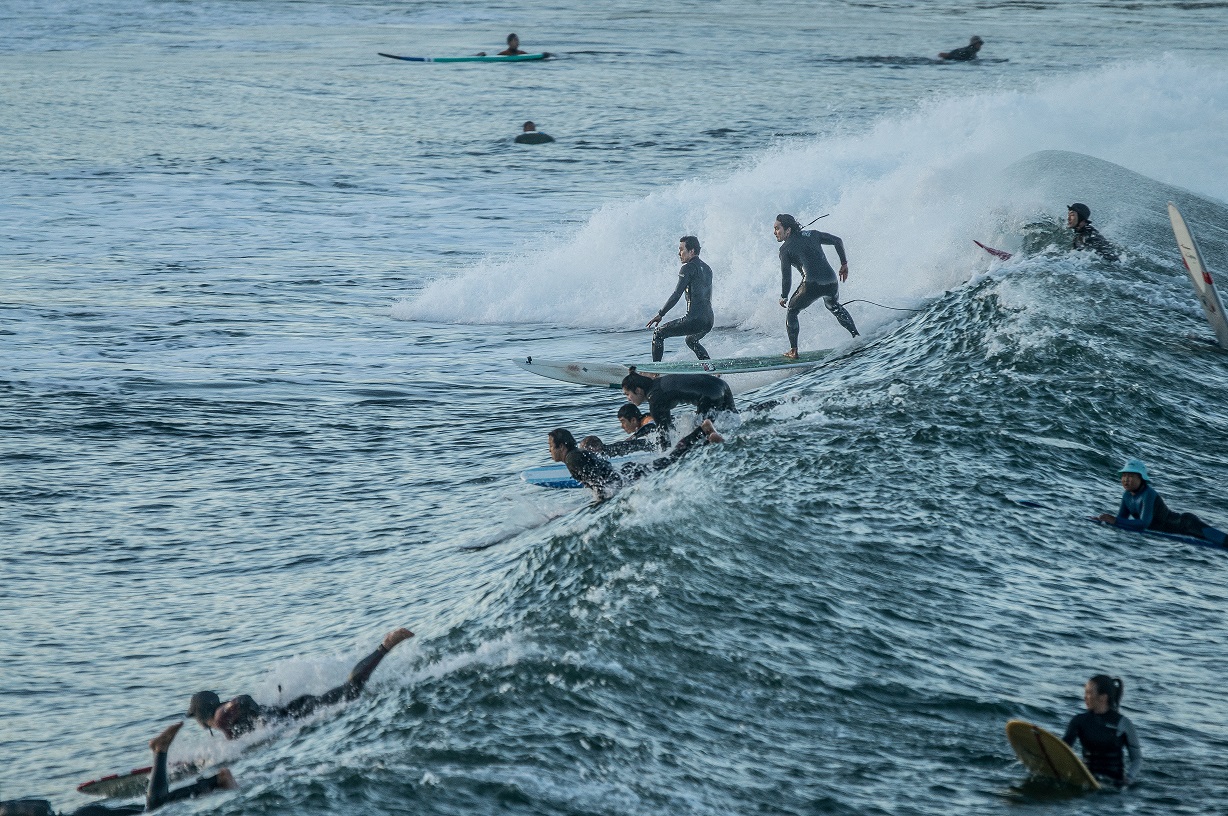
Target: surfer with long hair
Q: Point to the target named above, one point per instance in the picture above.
(804, 249)
(1105, 733)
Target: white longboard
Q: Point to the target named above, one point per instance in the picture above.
(610, 375)
(1204, 284)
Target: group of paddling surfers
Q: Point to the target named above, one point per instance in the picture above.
(1105, 734)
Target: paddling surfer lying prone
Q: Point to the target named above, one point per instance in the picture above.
(242, 714)
(597, 474)
(707, 393)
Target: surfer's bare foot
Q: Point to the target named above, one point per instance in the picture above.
(791, 354)
(396, 636)
(226, 780)
(161, 743)
(711, 431)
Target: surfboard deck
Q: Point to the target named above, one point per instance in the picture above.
(1044, 755)
(610, 375)
(496, 58)
(1204, 284)
(1201, 542)
(556, 475)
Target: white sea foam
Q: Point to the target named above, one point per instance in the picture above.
(907, 197)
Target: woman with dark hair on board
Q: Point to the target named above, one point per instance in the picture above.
(1105, 733)
(706, 392)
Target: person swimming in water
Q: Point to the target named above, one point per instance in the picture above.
(595, 472)
(968, 52)
(242, 714)
(1078, 218)
(804, 250)
(695, 281)
(1103, 732)
(1143, 509)
(707, 393)
(157, 793)
(513, 47)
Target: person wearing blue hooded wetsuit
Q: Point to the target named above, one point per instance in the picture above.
(1143, 509)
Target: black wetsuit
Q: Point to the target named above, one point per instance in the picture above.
(1088, 237)
(593, 471)
(157, 794)
(243, 714)
(968, 52)
(695, 280)
(639, 441)
(706, 392)
(804, 250)
(534, 137)
(596, 473)
(1103, 737)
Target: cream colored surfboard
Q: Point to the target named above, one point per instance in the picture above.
(1204, 284)
(1045, 755)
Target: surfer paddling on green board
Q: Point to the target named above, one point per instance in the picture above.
(1143, 509)
(804, 249)
(695, 281)
(157, 794)
(242, 714)
(1105, 733)
(707, 393)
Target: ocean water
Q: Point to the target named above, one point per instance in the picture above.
(262, 290)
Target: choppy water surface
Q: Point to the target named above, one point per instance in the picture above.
(260, 296)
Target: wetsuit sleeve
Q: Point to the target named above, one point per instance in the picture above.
(832, 240)
(786, 273)
(1133, 748)
(684, 278)
(1072, 732)
(1145, 514)
(626, 446)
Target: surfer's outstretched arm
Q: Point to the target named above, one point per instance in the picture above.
(353, 686)
(158, 793)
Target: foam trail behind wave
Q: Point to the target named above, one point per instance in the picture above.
(907, 197)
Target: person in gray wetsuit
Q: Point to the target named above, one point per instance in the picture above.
(1105, 733)
(695, 281)
(804, 250)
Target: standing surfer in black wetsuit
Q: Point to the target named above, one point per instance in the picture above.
(706, 392)
(157, 794)
(243, 714)
(804, 249)
(1104, 732)
(695, 280)
(1078, 218)
(597, 474)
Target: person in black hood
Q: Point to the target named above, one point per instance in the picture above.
(804, 250)
(695, 281)
(1078, 218)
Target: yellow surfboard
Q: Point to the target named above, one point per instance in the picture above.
(1045, 755)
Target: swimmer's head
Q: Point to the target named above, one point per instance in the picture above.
(592, 443)
(1133, 474)
(202, 706)
(513, 41)
(529, 127)
(1077, 213)
(561, 443)
(976, 42)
